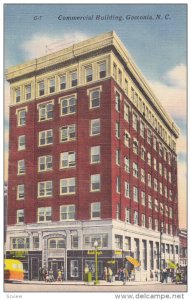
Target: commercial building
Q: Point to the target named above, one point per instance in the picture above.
(92, 157)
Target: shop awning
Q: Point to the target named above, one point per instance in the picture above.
(133, 261)
(171, 265)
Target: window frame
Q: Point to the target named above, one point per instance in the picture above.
(45, 157)
(68, 213)
(70, 163)
(70, 184)
(22, 191)
(45, 193)
(98, 126)
(93, 182)
(46, 209)
(68, 133)
(97, 211)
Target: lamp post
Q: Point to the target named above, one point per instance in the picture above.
(160, 265)
(96, 262)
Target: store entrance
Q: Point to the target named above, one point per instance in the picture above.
(56, 265)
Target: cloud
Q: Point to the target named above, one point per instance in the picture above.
(171, 91)
(42, 44)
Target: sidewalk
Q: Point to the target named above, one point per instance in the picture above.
(101, 282)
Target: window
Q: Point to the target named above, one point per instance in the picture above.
(150, 223)
(161, 208)
(160, 150)
(149, 180)
(96, 210)
(126, 87)
(128, 215)
(67, 159)
(117, 102)
(68, 186)
(127, 189)
(62, 82)
(136, 99)
(156, 205)
(154, 143)
(135, 122)
(170, 195)
(115, 71)
(143, 153)
(52, 85)
(44, 214)
(135, 194)
(74, 268)
(132, 94)
(20, 243)
(18, 95)
(117, 130)
(68, 106)
(118, 184)
(170, 212)
(160, 188)
(118, 241)
(149, 159)
(117, 211)
(165, 192)
(142, 129)
(136, 217)
(73, 78)
(56, 243)
(156, 225)
(45, 111)
(160, 169)
(135, 146)
(119, 77)
(89, 240)
(95, 98)
(20, 192)
(95, 182)
(36, 242)
(143, 220)
(126, 139)
(21, 118)
(165, 154)
(169, 158)
(74, 240)
(45, 137)
(21, 167)
(95, 154)
(67, 212)
(89, 73)
(143, 175)
(143, 198)
(95, 127)
(20, 216)
(45, 163)
(165, 173)
(68, 133)
(155, 164)
(21, 142)
(150, 202)
(155, 185)
(28, 92)
(127, 243)
(126, 112)
(169, 177)
(166, 210)
(149, 135)
(45, 189)
(135, 170)
(117, 157)
(41, 88)
(102, 69)
(127, 164)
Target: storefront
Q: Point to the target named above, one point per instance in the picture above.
(31, 260)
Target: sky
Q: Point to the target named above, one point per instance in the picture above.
(158, 46)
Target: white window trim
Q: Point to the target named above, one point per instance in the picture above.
(45, 195)
(38, 108)
(39, 145)
(67, 180)
(46, 169)
(68, 166)
(68, 138)
(60, 99)
(67, 206)
(45, 221)
(95, 190)
(17, 112)
(95, 218)
(18, 169)
(18, 198)
(97, 162)
(91, 121)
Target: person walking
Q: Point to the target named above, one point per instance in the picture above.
(40, 274)
(62, 273)
(59, 278)
(105, 274)
(151, 275)
(110, 274)
(125, 276)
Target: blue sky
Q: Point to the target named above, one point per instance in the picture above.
(158, 47)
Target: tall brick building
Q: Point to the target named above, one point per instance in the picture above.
(92, 156)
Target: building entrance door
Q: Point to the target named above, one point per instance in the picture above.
(56, 265)
(34, 268)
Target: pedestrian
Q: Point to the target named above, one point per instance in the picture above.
(105, 275)
(151, 275)
(59, 278)
(125, 276)
(40, 274)
(178, 274)
(51, 275)
(62, 273)
(86, 271)
(44, 273)
(110, 274)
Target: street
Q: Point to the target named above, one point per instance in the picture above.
(60, 287)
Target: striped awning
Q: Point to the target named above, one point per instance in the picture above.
(133, 261)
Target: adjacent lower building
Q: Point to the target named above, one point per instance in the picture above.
(92, 157)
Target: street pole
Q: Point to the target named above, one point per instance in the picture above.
(96, 262)
(160, 254)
